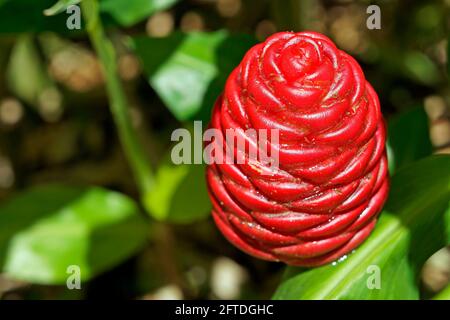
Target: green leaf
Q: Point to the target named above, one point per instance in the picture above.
(130, 12)
(189, 71)
(180, 194)
(421, 68)
(444, 294)
(28, 16)
(18, 16)
(45, 230)
(408, 138)
(413, 225)
(25, 60)
(60, 6)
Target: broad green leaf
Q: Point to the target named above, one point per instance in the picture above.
(60, 6)
(180, 194)
(189, 71)
(129, 12)
(408, 138)
(45, 230)
(348, 279)
(411, 228)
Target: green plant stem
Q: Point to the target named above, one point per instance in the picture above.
(118, 102)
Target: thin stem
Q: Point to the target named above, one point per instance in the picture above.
(118, 102)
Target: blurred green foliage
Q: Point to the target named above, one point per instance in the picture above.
(25, 58)
(49, 228)
(27, 16)
(60, 6)
(180, 193)
(174, 58)
(408, 138)
(130, 12)
(189, 71)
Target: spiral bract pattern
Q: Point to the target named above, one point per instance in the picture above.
(323, 199)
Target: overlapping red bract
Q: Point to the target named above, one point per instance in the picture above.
(332, 180)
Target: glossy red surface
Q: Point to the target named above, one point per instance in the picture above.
(332, 180)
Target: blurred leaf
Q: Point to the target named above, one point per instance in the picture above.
(28, 16)
(180, 194)
(408, 138)
(130, 12)
(60, 6)
(421, 68)
(444, 294)
(397, 61)
(410, 229)
(189, 71)
(26, 74)
(46, 229)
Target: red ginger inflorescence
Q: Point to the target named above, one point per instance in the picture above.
(332, 178)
